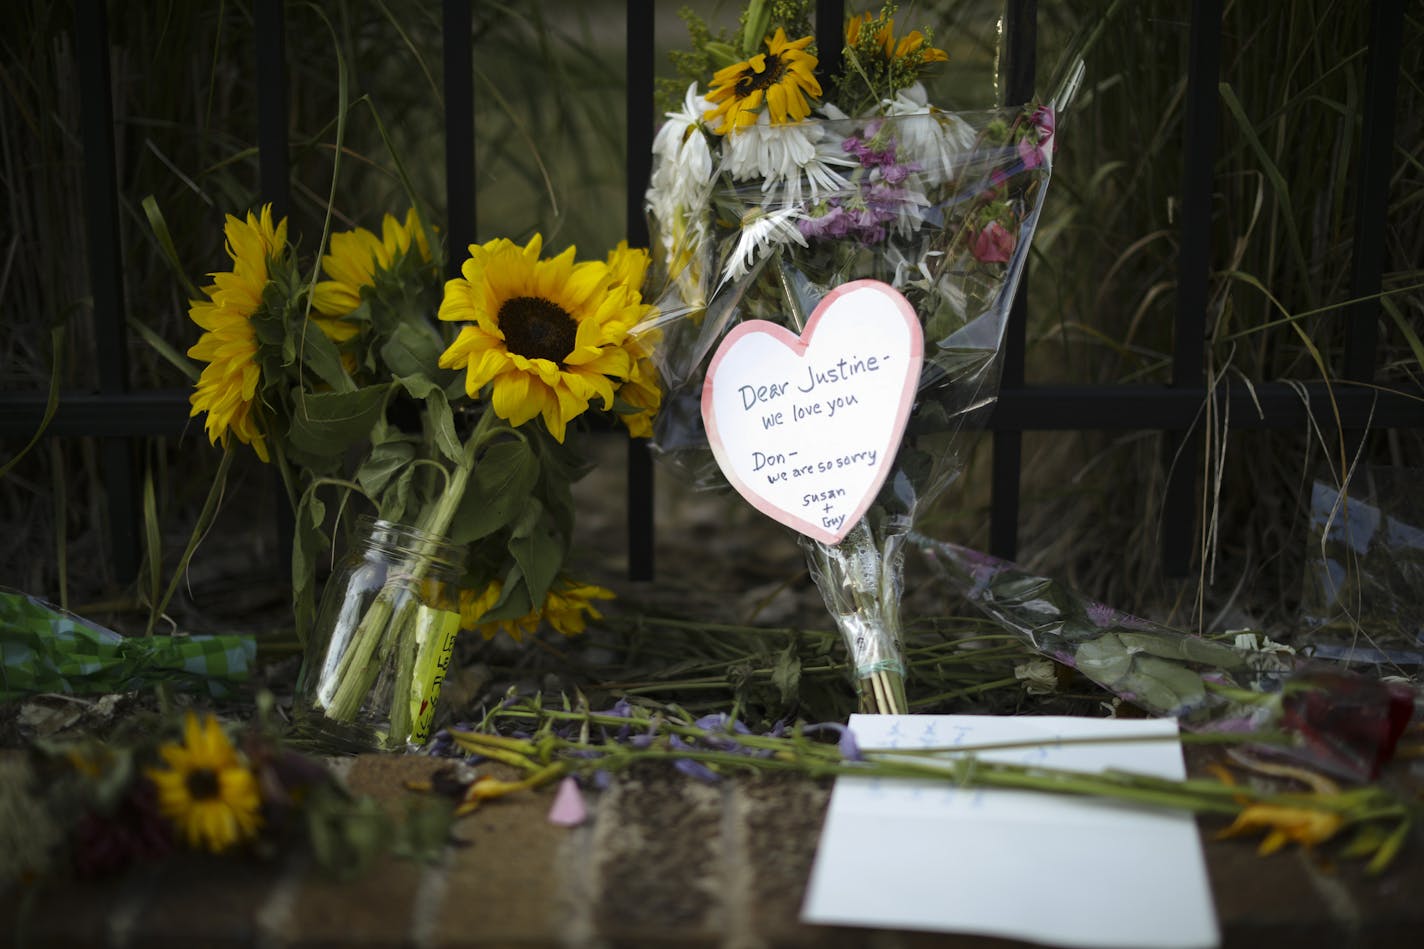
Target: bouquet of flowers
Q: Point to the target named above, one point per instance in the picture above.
(447, 409)
(772, 192)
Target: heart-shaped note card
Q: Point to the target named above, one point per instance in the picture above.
(806, 428)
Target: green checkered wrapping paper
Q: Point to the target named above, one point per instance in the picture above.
(45, 649)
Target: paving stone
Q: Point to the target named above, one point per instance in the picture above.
(66, 913)
(658, 857)
(201, 900)
(502, 881)
(782, 816)
(664, 860)
(375, 909)
(1266, 900)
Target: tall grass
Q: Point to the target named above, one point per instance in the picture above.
(550, 128)
(1292, 78)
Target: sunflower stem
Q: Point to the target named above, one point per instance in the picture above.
(387, 621)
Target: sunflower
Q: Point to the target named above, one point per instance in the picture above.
(206, 791)
(474, 606)
(568, 605)
(784, 76)
(641, 390)
(228, 384)
(356, 257)
(547, 335)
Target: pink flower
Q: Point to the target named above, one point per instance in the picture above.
(1044, 121)
(992, 245)
(1029, 153)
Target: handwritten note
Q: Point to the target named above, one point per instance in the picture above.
(806, 428)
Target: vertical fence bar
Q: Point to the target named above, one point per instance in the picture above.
(830, 37)
(639, 55)
(106, 282)
(1183, 449)
(1372, 187)
(1020, 69)
(458, 83)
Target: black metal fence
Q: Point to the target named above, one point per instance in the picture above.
(115, 415)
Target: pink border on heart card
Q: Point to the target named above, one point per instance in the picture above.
(799, 346)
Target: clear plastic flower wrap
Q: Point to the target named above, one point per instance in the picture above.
(1328, 717)
(766, 220)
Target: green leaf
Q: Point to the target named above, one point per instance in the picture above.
(327, 423)
(499, 491)
(160, 345)
(308, 544)
(56, 337)
(386, 460)
(513, 602)
(153, 545)
(786, 674)
(319, 354)
(159, 226)
(537, 549)
(1104, 660)
(438, 416)
(1177, 645)
(411, 351)
(1163, 687)
(396, 501)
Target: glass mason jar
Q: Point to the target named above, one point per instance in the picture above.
(382, 642)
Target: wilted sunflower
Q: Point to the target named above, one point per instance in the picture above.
(546, 335)
(228, 384)
(355, 259)
(782, 77)
(568, 605)
(206, 791)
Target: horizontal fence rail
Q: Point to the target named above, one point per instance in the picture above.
(115, 415)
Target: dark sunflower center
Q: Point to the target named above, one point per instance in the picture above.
(537, 329)
(768, 77)
(202, 784)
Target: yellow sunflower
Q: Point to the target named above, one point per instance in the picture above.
(641, 390)
(567, 606)
(474, 606)
(355, 258)
(206, 790)
(228, 384)
(546, 335)
(783, 77)
(906, 46)
(629, 265)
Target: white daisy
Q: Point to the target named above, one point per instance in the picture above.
(762, 231)
(793, 162)
(932, 139)
(683, 173)
(679, 193)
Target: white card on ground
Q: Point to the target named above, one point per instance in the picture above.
(929, 855)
